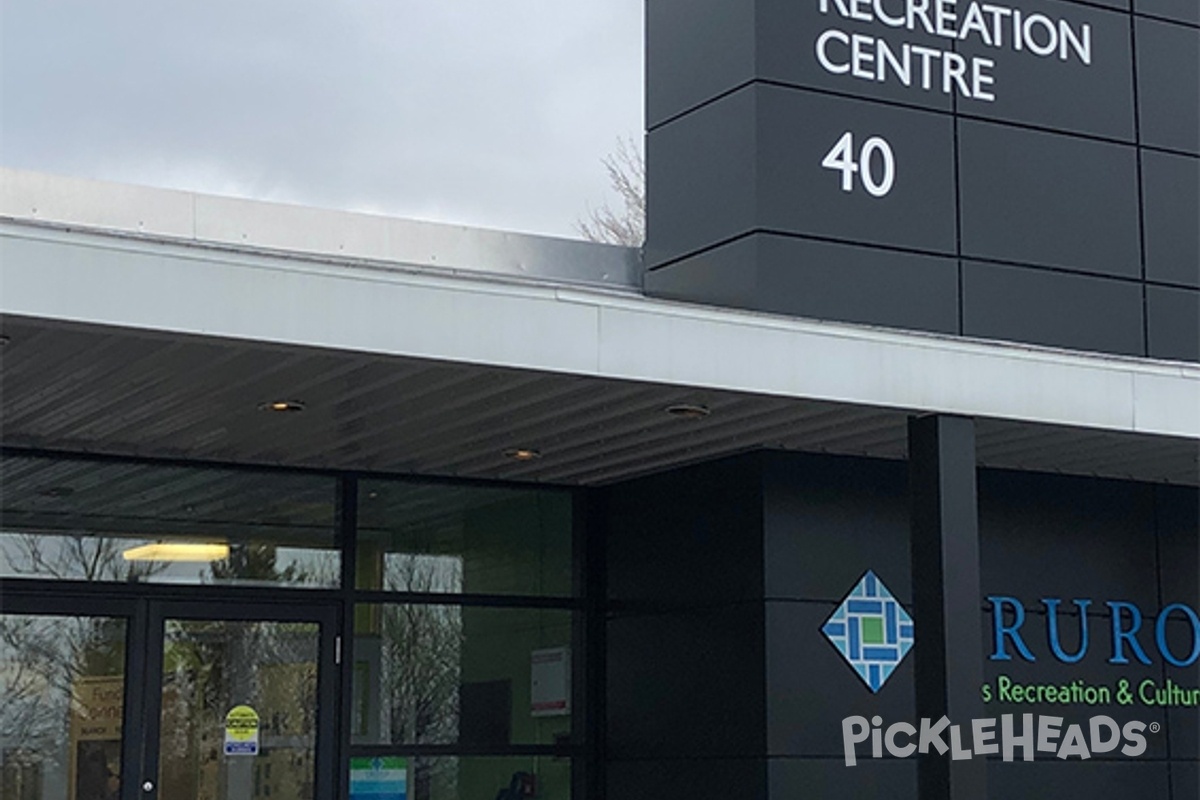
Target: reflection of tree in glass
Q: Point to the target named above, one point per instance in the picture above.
(41, 662)
(42, 658)
(422, 572)
(74, 556)
(318, 567)
(422, 654)
(259, 562)
(212, 666)
(37, 678)
(191, 674)
(422, 646)
(253, 561)
(209, 667)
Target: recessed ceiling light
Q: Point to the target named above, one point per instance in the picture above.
(688, 411)
(281, 405)
(523, 454)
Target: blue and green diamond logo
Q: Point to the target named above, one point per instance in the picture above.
(871, 630)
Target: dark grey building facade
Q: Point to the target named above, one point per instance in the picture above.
(1043, 163)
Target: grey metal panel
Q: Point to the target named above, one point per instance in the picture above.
(796, 194)
(1171, 210)
(1067, 95)
(821, 280)
(1173, 317)
(1050, 200)
(1121, 5)
(1183, 724)
(1053, 308)
(1093, 780)
(828, 520)
(1168, 62)
(829, 779)
(811, 688)
(695, 50)
(1177, 517)
(857, 284)
(701, 671)
(701, 178)
(1185, 780)
(752, 160)
(1181, 10)
(686, 538)
(1032, 523)
(686, 778)
(726, 275)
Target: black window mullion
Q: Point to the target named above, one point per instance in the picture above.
(347, 536)
(575, 753)
(590, 539)
(383, 597)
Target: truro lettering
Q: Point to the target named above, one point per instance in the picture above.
(1128, 632)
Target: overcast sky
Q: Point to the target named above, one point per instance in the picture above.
(484, 112)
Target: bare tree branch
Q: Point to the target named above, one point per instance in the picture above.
(627, 176)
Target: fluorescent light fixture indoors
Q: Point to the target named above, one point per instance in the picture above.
(177, 551)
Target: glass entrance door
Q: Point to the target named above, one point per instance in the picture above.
(166, 700)
(240, 703)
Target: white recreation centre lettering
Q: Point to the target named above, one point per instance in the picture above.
(872, 58)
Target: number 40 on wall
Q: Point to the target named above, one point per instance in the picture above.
(875, 152)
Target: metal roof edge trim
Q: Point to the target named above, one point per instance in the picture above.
(174, 215)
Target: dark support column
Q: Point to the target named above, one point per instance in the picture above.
(946, 596)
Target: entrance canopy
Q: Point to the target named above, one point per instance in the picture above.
(158, 323)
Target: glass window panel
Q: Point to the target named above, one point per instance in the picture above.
(266, 670)
(130, 522)
(62, 690)
(441, 674)
(419, 537)
(465, 777)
